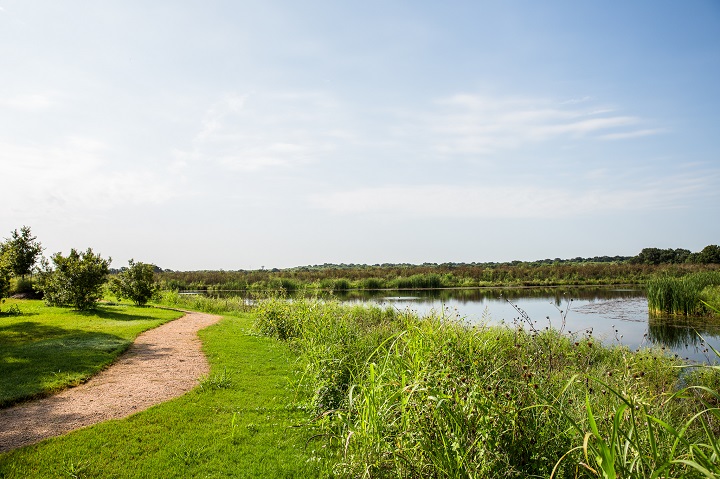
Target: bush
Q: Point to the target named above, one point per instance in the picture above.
(75, 281)
(23, 286)
(136, 283)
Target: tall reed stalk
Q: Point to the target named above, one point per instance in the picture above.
(680, 296)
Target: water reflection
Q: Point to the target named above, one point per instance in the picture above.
(685, 335)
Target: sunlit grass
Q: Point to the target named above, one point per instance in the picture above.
(244, 421)
(404, 396)
(44, 349)
(682, 295)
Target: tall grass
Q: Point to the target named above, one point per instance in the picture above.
(680, 295)
(399, 395)
(207, 304)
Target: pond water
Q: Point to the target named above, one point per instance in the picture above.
(611, 315)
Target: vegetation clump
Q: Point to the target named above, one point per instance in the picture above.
(681, 295)
(399, 395)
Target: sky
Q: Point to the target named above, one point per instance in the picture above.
(272, 134)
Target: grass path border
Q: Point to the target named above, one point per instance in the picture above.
(247, 420)
(161, 364)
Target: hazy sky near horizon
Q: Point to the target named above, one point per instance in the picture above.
(240, 134)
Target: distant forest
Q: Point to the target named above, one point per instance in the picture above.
(548, 272)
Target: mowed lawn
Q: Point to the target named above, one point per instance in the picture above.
(244, 420)
(46, 349)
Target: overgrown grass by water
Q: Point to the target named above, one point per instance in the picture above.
(398, 395)
(683, 295)
(206, 304)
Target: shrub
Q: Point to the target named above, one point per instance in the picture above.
(75, 281)
(136, 283)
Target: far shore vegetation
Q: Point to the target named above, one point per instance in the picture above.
(550, 272)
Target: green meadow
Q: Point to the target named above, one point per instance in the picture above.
(244, 420)
(44, 349)
(312, 388)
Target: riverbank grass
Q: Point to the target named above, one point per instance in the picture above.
(45, 349)
(407, 396)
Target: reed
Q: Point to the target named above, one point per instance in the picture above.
(207, 304)
(680, 295)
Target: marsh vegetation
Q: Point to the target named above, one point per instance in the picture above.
(399, 395)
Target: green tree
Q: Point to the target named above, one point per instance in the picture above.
(136, 283)
(709, 254)
(75, 281)
(5, 273)
(22, 251)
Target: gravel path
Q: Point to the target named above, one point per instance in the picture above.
(161, 364)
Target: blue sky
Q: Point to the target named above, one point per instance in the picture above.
(229, 135)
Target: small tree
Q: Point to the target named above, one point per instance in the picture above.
(136, 283)
(75, 281)
(22, 251)
(5, 273)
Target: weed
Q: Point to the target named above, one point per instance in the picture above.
(74, 469)
(681, 296)
(216, 381)
(189, 455)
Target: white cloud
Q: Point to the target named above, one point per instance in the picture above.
(632, 134)
(474, 124)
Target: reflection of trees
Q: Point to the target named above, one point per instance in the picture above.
(676, 333)
(558, 295)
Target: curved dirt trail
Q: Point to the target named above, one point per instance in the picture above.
(161, 364)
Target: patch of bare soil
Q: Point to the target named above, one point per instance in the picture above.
(161, 364)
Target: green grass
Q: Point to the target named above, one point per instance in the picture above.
(407, 396)
(45, 349)
(241, 422)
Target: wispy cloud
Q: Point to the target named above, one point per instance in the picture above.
(475, 124)
(267, 130)
(507, 201)
(73, 178)
(33, 101)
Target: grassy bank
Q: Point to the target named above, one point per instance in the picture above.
(241, 422)
(45, 349)
(402, 396)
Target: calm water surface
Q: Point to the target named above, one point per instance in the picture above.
(612, 315)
